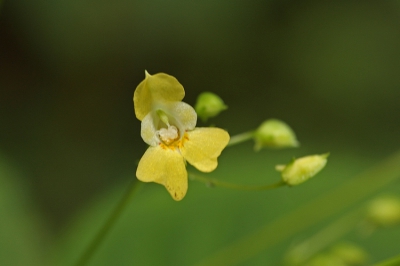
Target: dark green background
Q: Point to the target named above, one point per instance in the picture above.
(68, 69)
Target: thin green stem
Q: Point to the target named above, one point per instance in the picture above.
(217, 183)
(241, 138)
(395, 261)
(91, 249)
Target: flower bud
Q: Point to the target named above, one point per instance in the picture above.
(384, 211)
(274, 133)
(302, 169)
(209, 105)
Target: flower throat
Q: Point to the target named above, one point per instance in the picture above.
(167, 135)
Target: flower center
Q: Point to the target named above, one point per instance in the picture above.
(168, 135)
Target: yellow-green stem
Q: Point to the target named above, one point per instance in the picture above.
(241, 138)
(90, 250)
(217, 183)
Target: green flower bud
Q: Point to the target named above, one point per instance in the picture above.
(384, 211)
(350, 253)
(209, 105)
(274, 133)
(302, 169)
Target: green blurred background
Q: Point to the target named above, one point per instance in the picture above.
(69, 135)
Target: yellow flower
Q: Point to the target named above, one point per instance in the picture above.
(168, 126)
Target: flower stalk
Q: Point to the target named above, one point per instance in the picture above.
(237, 139)
(212, 182)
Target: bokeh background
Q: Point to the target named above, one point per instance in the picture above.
(70, 142)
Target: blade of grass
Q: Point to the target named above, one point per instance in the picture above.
(308, 214)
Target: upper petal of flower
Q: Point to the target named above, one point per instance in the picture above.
(203, 147)
(160, 87)
(166, 167)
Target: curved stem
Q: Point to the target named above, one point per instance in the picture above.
(217, 183)
(241, 138)
(108, 225)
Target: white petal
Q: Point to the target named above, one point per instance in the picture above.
(181, 114)
(148, 129)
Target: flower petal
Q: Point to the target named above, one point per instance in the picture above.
(160, 87)
(203, 147)
(142, 99)
(181, 114)
(148, 130)
(165, 167)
